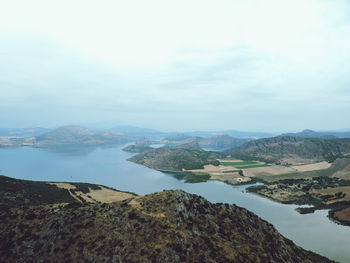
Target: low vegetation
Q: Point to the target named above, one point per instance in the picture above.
(176, 159)
(320, 192)
(171, 226)
(292, 150)
(197, 177)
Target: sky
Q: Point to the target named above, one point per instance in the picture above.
(182, 65)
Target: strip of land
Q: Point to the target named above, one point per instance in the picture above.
(100, 194)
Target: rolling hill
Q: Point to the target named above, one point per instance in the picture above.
(310, 134)
(68, 135)
(294, 150)
(187, 156)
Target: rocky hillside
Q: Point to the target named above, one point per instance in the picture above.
(78, 135)
(220, 142)
(291, 149)
(170, 226)
(176, 158)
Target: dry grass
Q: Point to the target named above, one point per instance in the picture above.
(103, 195)
(311, 167)
(108, 196)
(333, 191)
(285, 170)
(343, 174)
(268, 171)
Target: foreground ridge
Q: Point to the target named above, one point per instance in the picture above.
(169, 226)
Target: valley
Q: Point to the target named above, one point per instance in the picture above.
(299, 160)
(189, 167)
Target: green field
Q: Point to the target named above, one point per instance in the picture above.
(238, 163)
(251, 166)
(244, 164)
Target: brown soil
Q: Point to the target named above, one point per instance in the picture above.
(311, 167)
(343, 215)
(268, 170)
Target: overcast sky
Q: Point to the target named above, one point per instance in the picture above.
(176, 65)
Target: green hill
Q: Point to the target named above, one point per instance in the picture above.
(176, 158)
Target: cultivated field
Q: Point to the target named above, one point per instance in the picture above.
(229, 170)
(223, 173)
(103, 194)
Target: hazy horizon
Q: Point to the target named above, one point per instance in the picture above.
(270, 66)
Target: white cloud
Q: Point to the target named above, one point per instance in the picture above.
(189, 59)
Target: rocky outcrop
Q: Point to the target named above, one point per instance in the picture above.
(170, 226)
(137, 148)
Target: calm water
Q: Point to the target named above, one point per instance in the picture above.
(108, 166)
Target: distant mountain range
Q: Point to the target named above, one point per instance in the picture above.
(322, 134)
(23, 132)
(78, 135)
(215, 142)
(133, 131)
(152, 133)
(68, 135)
(232, 133)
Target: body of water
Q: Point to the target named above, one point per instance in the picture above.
(108, 166)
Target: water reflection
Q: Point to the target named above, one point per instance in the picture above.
(78, 150)
(108, 166)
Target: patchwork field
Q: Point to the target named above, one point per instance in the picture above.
(239, 171)
(225, 173)
(321, 192)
